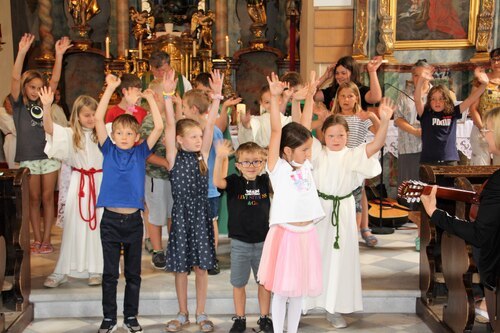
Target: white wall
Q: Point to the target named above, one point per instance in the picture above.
(6, 52)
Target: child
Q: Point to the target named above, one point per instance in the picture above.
(191, 240)
(338, 170)
(129, 91)
(28, 113)
(290, 263)
(347, 103)
(248, 208)
(9, 134)
(158, 192)
(81, 251)
(438, 119)
(122, 196)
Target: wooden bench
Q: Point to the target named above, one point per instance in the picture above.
(14, 227)
(448, 254)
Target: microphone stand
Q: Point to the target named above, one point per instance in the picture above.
(381, 230)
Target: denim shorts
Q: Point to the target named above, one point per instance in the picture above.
(213, 208)
(357, 198)
(244, 256)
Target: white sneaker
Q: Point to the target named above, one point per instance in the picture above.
(95, 280)
(54, 280)
(336, 320)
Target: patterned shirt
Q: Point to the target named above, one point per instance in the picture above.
(153, 170)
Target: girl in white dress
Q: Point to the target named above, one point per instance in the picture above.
(338, 170)
(81, 250)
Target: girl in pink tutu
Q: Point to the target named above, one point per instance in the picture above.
(290, 266)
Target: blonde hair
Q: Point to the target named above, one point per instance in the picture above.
(126, 121)
(354, 88)
(26, 78)
(494, 116)
(181, 129)
(198, 98)
(81, 102)
(156, 85)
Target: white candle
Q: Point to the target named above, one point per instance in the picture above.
(227, 46)
(140, 48)
(194, 48)
(108, 42)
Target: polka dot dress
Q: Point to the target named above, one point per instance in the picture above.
(191, 240)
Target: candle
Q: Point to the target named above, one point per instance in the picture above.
(108, 42)
(140, 48)
(227, 46)
(126, 53)
(194, 48)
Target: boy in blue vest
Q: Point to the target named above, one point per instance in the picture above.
(122, 196)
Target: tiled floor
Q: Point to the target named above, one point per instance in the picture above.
(391, 266)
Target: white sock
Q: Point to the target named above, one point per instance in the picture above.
(294, 310)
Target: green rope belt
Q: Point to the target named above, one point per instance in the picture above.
(335, 212)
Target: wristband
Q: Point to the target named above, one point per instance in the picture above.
(217, 96)
(165, 96)
(169, 94)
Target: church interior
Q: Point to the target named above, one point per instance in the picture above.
(430, 290)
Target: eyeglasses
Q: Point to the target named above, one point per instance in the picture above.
(246, 164)
(495, 60)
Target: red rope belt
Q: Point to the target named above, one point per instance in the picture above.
(91, 220)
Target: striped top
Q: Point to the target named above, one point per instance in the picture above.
(358, 130)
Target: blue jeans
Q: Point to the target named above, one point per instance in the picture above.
(118, 229)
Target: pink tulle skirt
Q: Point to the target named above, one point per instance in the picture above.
(291, 261)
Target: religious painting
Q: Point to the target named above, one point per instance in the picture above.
(434, 24)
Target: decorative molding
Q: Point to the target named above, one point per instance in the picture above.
(484, 29)
(385, 46)
(359, 49)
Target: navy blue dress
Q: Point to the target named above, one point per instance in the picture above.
(191, 239)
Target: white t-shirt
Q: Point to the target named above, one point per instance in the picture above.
(295, 196)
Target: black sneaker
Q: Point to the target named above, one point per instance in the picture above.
(158, 260)
(239, 325)
(132, 325)
(216, 269)
(108, 325)
(265, 324)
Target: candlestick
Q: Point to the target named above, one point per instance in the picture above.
(194, 48)
(140, 48)
(126, 53)
(108, 42)
(227, 46)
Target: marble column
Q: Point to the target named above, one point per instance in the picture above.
(45, 29)
(122, 25)
(220, 27)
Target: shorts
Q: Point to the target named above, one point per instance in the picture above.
(41, 167)
(244, 256)
(158, 195)
(357, 198)
(213, 208)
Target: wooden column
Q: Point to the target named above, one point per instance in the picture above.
(220, 27)
(122, 25)
(46, 23)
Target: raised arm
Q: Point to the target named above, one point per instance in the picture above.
(47, 97)
(417, 95)
(276, 88)
(297, 97)
(374, 95)
(222, 120)
(375, 122)
(307, 112)
(61, 46)
(386, 109)
(24, 46)
(169, 84)
(327, 75)
(223, 149)
(476, 93)
(208, 133)
(112, 82)
(155, 134)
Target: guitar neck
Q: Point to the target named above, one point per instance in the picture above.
(452, 194)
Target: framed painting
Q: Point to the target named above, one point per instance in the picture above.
(434, 24)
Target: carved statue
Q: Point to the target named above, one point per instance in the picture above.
(201, 28)
(257, 11)
(142, 22)
(83, 10)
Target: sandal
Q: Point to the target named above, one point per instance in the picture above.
(35, 247)
(205, 324)
(46, 248)
(370, 240)
(177, 324)
(54, 280)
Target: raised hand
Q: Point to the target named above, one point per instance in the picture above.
(62, 45)
(113, 81)
(25, 42)
(287, 93)
(481, 76)
(386, 109)
(148, 94)
(312, 86)
(300, 95)
(216, 81)
(374, 64)
(223, 148)
(169, 82)
(245, 119)
(46, 96)
(232, 101)
(426, 74)
(276, 87)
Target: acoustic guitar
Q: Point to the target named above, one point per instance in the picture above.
(393, 215)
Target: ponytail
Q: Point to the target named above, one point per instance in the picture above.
(202, 165)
